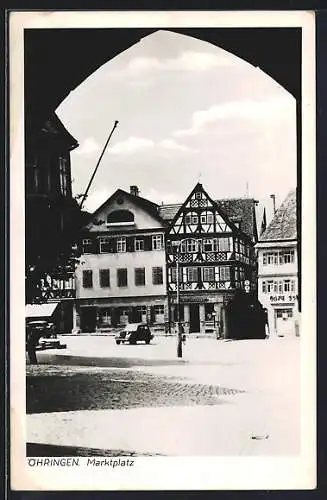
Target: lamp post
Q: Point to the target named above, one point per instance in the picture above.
(179, 325)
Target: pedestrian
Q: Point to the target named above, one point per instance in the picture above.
(31, 343)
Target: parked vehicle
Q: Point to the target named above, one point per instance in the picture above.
(133, 333)
(43, 334)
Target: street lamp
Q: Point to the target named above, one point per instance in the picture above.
(179, 325)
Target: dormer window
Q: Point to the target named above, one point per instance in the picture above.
(120, 218)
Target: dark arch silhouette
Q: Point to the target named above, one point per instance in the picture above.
(58, 60)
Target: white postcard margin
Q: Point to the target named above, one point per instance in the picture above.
(187, 473)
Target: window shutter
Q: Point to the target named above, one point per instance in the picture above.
(147, 243)
(152, 314)
(113, 245)
(130, 244)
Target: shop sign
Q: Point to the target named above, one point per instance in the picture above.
(282, 298)
(198, 300)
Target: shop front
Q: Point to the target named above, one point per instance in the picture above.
(200, 314)
(91, 316)
(282, 314)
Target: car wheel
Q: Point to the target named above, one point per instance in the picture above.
(132, 342)
(117, 342)
(147, 341)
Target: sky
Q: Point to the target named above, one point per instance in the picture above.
(188, 112)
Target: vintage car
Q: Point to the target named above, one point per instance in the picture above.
(133, 333)
(43, 334)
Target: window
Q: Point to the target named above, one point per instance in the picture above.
(139, 245)
(192, 274)
(292, 286)
(64, 175)
(270, 258)
(87, 279)
(105, 316)
(286, 257)
(210, 218)
(287, 285)
(198, 195)
(194, 219)
(188, 219)
(121, 244)
(208, 274)
(104, 275)
(264, 287)
(120, 218)
(122, 277)
(270, 286)
(139, 276)
(159, 309)
(208, 245)
(157, 276)
(224, 273)
(157, 242)
(224, 244)
(191, 246)
(203, 218)
(104, 245)
(174, 275)
(87, 245)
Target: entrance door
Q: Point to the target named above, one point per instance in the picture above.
(194, 318)
(88, 319)
(284, 322)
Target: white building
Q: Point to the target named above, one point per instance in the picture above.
(278, 270)
(121, 276)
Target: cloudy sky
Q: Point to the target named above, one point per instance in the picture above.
(188, 112)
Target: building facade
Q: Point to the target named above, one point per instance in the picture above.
(121, 276)
(51, 216)
(278, 270)
(209, 255)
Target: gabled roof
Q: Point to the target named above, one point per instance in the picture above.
(240, 210)
(150, 207)
(283, 224)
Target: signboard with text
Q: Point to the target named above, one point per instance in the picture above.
(284, 298)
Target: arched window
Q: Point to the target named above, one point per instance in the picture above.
(120, 217)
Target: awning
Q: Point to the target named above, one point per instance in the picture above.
(40, 310)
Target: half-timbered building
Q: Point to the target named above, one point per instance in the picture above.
(209, 255)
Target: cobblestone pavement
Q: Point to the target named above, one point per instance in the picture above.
(66, 388)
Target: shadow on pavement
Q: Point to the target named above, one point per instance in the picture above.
(49, 450)
(54, 359)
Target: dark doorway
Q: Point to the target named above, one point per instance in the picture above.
(88, 319)
(194, 318)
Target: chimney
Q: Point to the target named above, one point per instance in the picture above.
(134, 190)
(273, 197)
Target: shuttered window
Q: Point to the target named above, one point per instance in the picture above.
(122, 277)
(192, 274)
(157, 275)
(104, 275)
(208, 274)
(224, 273)
(139, 276)
(87, 278)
